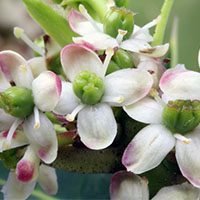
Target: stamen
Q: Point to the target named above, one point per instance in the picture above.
(19, 33)
(120, 36)
(71, 117)
(183, 138)
(109, 54)
(84, 12)
(11, 132)
(154, 93)
(37, 118)
(119, 99)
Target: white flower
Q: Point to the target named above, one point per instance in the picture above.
(46, 90)
(149, 147)
(126, 185)
(96, 123)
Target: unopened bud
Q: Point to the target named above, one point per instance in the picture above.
(118, 18)
(88, 87)
(17, 101)
(182, 116)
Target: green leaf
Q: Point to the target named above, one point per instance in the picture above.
(50, 20)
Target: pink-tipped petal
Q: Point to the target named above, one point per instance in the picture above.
(68, 101)
(187, 157)
(79, 24)
(98, 41)
(15, 189)
(146, 110)
(126, 185)
(97, 127)
(148, 148)
(27, 168)
(48, 179)
(46, 90)
(16, 68)
(181, 84)
(6, 120)
(37, 65)
(76, 58)
(130, 85)
(43, 139)
(184, 191)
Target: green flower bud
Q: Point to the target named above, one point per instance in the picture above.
(121, 3)
(118, 18)
(17, 101)
(112, 67)
(123, 59)
(88, 87)
(182, 116)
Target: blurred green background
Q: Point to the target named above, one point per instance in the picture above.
(79, 186)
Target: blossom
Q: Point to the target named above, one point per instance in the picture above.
(126, 185)
(93, 35)
(21, 183)
(45, 90)
(174, 121)
(90, 93)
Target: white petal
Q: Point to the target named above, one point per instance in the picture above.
(187, 157)
(48, 179)
(37, 65)
(181, 84)
(148, 148)
(141, 34)
(4, 83)
(19, 139)
(68, 101)
(16, 67)
(79, 24)
(155, 52)
(146, 110)
(46, 90)
(6, 120)
(97, 126)
(76, 58)
(154, 67)
(14, 189)
(130, 84)
(134, 45)
(43, 139)
(184, 191)
(99, 41)
(128, 186)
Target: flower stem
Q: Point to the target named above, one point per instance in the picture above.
(174, 44)
(161, 26)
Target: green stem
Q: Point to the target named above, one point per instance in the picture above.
(161, 26)
(174, 44)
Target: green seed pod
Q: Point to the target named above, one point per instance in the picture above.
(112, 67)
(119, 18)
(88, 87)
(17, 101)
(182, 116)
(123, 59)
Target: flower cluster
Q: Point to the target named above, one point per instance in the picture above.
(109, 65)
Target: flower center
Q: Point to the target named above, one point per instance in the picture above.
(182, 116)
(17, 101)
(88, 87)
